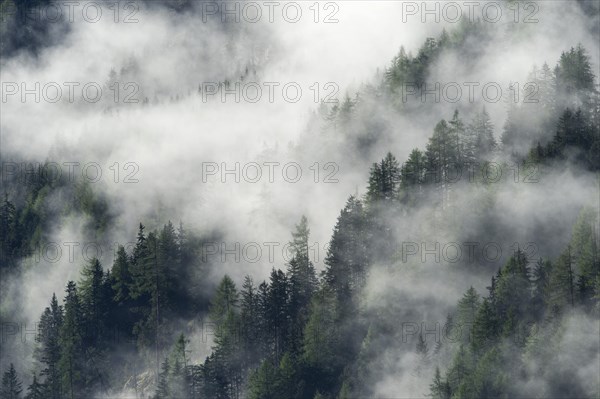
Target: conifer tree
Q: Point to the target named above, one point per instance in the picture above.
(412, 176)
(466, 312)
(443, 161)
(48, 352)
(482, 130)
(121, 276)
(72, 358)
(439, 388)
(11, 385)
(562, 282)
(35, 390)
(384, 180)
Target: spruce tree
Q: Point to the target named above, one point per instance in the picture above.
(48, 351)
(35, 390)
(562, 282)
(72, 358)
(302, 282)
(121, 275)
(466, 312)
(482, 130)
(11, 385)
(412, 176)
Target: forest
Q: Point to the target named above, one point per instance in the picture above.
(129, 327)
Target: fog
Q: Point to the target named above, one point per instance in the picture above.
(178, 143)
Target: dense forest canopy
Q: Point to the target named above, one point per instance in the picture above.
(462, 264)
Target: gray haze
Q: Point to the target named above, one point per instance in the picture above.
(168, 55)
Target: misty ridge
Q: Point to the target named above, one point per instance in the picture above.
(326, 200)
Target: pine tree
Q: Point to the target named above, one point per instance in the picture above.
(464, 144)
(384, 180)
(347, 258)
(72, 360)
(586, 261)
(466, 312)
(302, 282)
(286, 378)
(546, 84)
(225, 300)
(485, 328)
(412, 176)
(278, 324)
(421, 347)
(461, 369)
(562, 282)
(261, 382)
(48, 352)
(321, 350)
(482, 130)
(443, 160)
(8, 233)
(513, 291)
(11, 385)
(94, 302)
(345, 111)
(398, 73)
(227, 356)
(439, 389)
(571, 131)
(390, 177)
(180, 353)
(162, 388)
(540, 279)
(574, 77)
(171, 274)
(302, 273)
(264, 320)
(140, 250)
(250, 322)
(511, 131)
(122, 278)
(151, 284)
(35, 390)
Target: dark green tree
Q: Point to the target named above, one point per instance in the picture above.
(48, 351)
(466, 313)
(562, 281)
(11, 385)
(482, 130)
(227, 356)
(72, 357)
(384, 180)
(443, 161)
(302, 282)
(250, 322)
(35, 390)
(121, 276)
(439, 389)
(412, 176)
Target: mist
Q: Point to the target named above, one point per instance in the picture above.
(165, 141)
